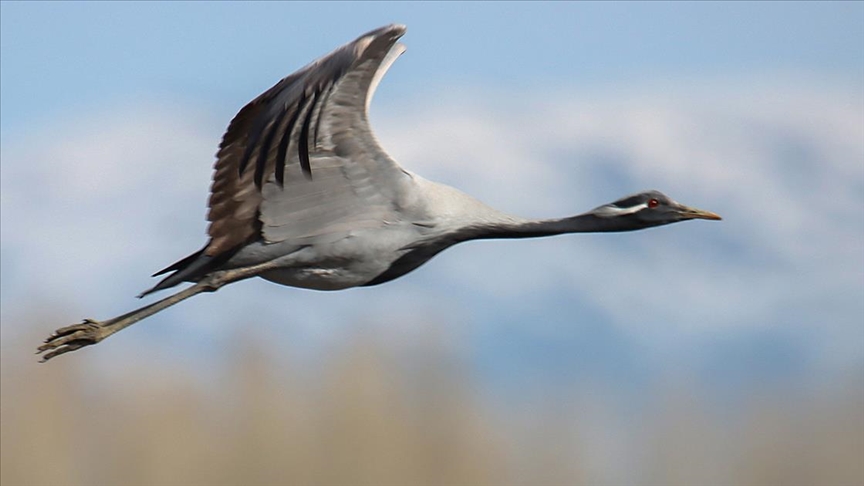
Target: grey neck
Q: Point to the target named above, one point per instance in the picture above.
(582, 223)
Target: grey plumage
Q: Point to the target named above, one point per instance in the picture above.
(303, 195)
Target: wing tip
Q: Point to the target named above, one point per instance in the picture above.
(393, 29)
(390, 32)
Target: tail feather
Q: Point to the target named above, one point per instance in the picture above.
(187, 270)
(181, 264)
(190, 269)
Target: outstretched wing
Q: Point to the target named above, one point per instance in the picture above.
(300, 161)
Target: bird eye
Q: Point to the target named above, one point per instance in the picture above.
(653, 203)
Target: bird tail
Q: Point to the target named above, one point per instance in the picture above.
(189, 269)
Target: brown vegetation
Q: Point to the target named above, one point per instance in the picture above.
(369, 417)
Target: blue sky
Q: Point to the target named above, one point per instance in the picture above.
(66, 56)
(111, 113)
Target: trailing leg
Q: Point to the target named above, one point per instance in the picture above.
(91, 331)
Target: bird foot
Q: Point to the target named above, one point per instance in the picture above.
(73, 337)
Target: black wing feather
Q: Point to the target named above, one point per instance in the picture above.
(303, 148)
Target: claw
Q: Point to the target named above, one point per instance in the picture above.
(90, 331)
(63, 350)
(70, 338)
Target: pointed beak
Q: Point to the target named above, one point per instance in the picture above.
(693, 213)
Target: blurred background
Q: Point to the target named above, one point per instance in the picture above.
(696, 354)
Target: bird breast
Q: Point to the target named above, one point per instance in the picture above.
(351, 261)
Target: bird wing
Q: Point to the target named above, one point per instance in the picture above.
(300, 161)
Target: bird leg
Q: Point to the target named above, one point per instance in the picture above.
(90, 331)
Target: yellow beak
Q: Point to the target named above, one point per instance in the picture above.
(693, 213)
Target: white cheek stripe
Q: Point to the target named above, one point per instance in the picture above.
(613, 211)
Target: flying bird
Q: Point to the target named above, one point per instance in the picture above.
(303, 195)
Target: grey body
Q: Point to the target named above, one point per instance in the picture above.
(303, 195)
(352, 255)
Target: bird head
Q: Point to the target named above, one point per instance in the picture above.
(650, 208)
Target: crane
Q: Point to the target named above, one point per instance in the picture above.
(304, 196)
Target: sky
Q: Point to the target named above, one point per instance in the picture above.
(110, 114)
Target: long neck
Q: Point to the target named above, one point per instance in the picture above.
(582, 223)
(466, 218)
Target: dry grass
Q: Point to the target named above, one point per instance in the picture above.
(367, 416)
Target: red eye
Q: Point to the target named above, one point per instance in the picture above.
(653, 203)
